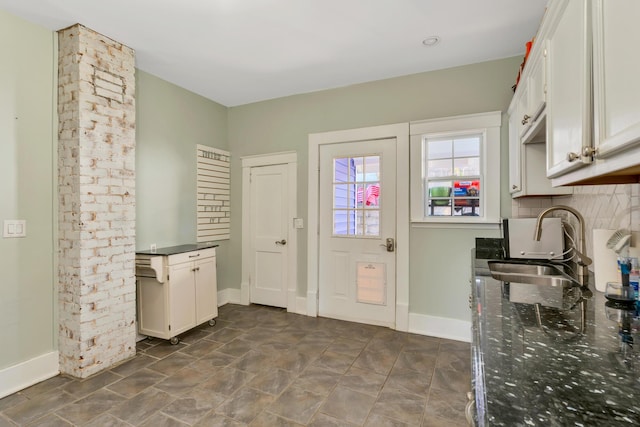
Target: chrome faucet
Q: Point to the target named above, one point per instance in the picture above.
(583, 260)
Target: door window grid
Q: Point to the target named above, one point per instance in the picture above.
(356, 196)
(452, 175)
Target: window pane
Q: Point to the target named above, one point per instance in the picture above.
(341, 169)
(439, 168)
(439, 198)
(439, 149)
(372, 223)
(466, 188)
(343, 222)
(360, 196)
(466, 207)
(371, 194)
(466, 147)
(466, 166)
(372, 168)
(357, 173)
(359, 217)
(341, 196)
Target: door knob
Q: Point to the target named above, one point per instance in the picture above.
(390, 244)
(281, 242)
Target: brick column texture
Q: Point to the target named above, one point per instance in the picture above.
(96, 174)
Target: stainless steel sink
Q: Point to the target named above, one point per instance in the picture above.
(532, 273)
(532, 282)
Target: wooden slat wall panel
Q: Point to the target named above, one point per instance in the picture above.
(214, 209)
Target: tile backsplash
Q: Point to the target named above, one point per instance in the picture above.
(603, 206)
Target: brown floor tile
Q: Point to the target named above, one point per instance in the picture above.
(84, 410)
(193, 406)
(161, 420)
(261, 366)
(362, 380)
(322, 420)
(38, 406)
(135, 383)
(266, 419)
(296, 404)
(348, 405)
(273, 381)
(131, 366)
(142, 406)
(245, 405)
(399, 405)
(318, 379)
(172, 363)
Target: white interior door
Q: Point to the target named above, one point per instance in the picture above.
(269, 230)
(357, 217)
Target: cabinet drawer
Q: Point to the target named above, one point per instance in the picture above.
(191, 256)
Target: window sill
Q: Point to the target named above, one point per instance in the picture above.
(449, 222)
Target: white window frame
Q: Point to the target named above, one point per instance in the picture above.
(486, 124)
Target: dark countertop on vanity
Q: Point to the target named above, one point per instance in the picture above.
(555, 375)
(173, 250)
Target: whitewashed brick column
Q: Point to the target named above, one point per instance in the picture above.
(96, 166)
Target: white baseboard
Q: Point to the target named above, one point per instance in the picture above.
(25, 374)
(229, 296)
(301, 306)
(441, 327)
(402, 317)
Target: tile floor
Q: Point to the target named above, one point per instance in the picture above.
(261, 366)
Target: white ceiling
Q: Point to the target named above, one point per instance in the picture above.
(241, 51)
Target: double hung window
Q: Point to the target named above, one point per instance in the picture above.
(455, 169)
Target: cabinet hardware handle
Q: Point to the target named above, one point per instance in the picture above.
(281, 242)
(525, 119)
(514, 187)
(194, 256)
(571, 156)
(589, 152)
(195, 269)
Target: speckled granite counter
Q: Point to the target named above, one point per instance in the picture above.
(577, 365)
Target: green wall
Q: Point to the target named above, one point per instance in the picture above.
(170, 122)
(283, 124)
(27, 157)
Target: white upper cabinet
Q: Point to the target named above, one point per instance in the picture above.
(612, 153)
(527, 119)
(616, 71)
(515, 118)
(534, 99)
(568, 87)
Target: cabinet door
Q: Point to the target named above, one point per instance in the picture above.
(616, 75)
(515, 177)
(568, 89)
(182, 296)
(206, 290)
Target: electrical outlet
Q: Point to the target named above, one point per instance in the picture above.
(152, 248)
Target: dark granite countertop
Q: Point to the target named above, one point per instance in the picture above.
(173, 250)
(537, 365)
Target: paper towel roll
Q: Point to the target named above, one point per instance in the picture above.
(605, 260)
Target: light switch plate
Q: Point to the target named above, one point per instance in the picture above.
(298, 223)
(14, 228)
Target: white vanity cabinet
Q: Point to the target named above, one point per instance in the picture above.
(176, 291)
(611, 153)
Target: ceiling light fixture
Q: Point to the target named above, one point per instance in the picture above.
(431, 41)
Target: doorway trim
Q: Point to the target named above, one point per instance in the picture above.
(400, 132)
(289, 158)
